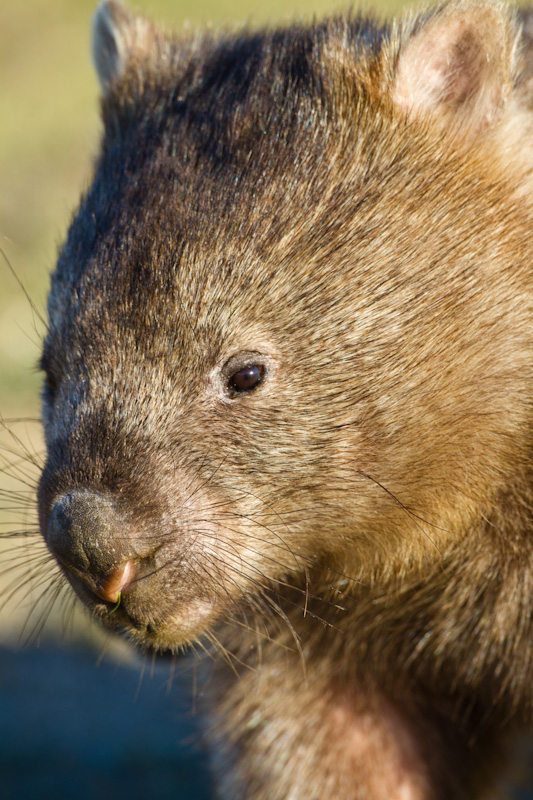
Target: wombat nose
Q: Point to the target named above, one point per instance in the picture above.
(110, 587)
(87, 535)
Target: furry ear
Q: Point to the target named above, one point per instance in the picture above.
(459, 65)
(119, 38)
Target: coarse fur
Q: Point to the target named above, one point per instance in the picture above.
(343, 207)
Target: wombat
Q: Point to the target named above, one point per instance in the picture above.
(288, 403)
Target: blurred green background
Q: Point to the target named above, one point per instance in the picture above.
(65, 730)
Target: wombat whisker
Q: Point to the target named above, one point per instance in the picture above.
(67, 616)
(172, 671)
(224, 526)
(265, 635)
(203, 647)
(248, 493)
(18, 475)
(104, 647)
(206, 482)
(50, 594)
(265, 527)
(228, 656)
(283, 543)
(21, 461)
(250, 602)
(196, 474)
(235, 515)
(194, 683)
(295, 637)
(264, 588)
(7, 421)
(23, 502)
(33, 635)
(305, 608)
(23, 496)
(273, 580)
(215, 582)
(308, 595)
(221, 565)
(23, 560)
(18, 585)
(229, 562)
(304, 558)
(29, 548)
(223, 546)
(24, 516)
(24, 454)
(163, 565)
(408, 511)
(27, 295)
(24, 533)
(290, 512)
(299, 569)
(285, 546)
(22, 513)
(37, 577)
(25, 537)
(263, 612)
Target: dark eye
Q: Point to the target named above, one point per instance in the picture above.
(246, 378)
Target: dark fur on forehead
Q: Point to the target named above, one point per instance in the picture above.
(229, 110)
(194, 146)
(221, 144)
(250, 72)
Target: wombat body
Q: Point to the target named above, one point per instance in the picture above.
(288, 404)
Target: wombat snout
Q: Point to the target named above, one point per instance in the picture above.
(84, 533)
(122, 567)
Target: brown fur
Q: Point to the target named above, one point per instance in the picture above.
(348, 206)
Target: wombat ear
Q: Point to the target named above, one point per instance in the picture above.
(119, 37)
(458, 65)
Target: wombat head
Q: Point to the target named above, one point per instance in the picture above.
(289, 328)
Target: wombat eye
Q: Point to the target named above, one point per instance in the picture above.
(246, 378)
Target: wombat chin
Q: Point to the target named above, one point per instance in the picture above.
(287, 403)
(169, 635)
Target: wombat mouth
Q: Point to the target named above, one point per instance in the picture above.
(143, 623)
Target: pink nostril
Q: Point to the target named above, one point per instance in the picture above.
(110, 588)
